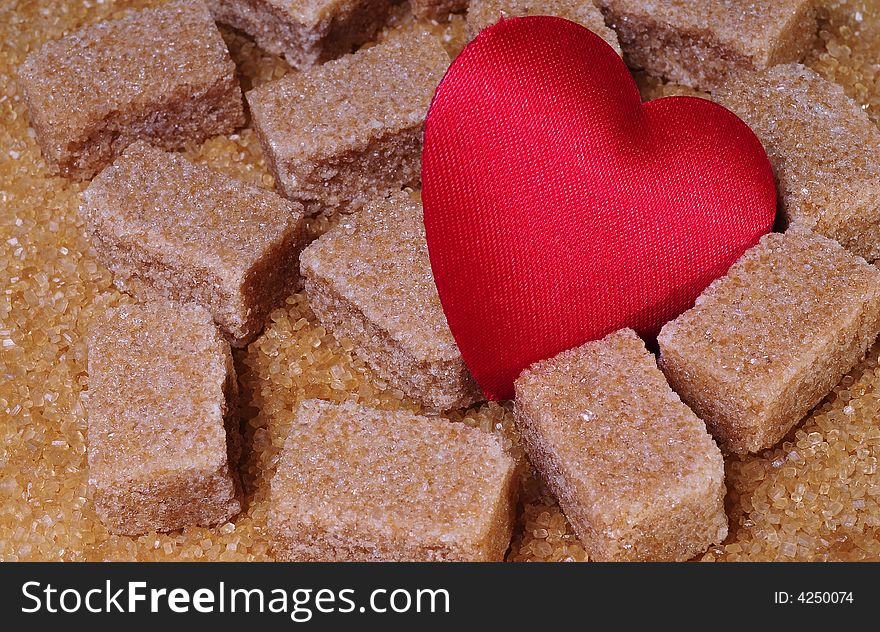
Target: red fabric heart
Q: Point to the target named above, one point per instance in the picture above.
(559, 208)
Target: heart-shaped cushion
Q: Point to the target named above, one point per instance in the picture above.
(559, 208)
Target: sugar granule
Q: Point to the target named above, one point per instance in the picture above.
(849, 32)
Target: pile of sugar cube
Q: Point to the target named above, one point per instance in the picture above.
(628, 443)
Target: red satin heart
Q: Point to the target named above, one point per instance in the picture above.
(558, 208)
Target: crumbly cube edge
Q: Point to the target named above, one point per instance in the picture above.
(342, 173)
(437, 9)
(483, 13)
(701, 57)
(434, 375)
(308, 33)
(815, 136)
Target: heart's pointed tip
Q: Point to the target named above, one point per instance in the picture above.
(499, 394)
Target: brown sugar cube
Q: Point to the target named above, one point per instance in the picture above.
(764, 344)
(359, 484)
(634, 470)
(162, 75)
(161, 413)
(437, 9)
(823, 147)
(306, 32)
(350, 130)
(369, 280)
(166, 227)
(483, 13)
(698, 43)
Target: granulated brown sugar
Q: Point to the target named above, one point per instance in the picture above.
(816, 495)
(849, 32)
(51, 287)
(452, 32)
(296, 360)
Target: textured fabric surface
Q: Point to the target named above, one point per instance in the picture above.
(558, 208)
